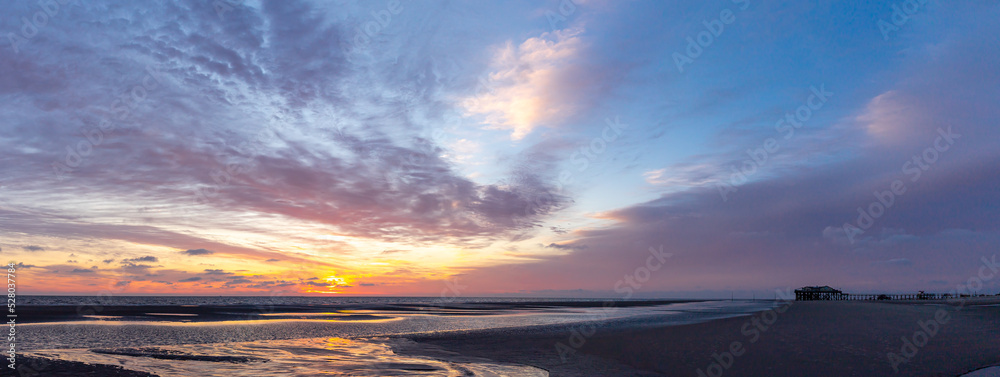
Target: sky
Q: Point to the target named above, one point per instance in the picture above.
(573, 148)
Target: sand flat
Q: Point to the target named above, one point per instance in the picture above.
(809, 339)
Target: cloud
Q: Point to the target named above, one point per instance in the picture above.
(682, 175)
(892, 117)
(566, 246)
(812, 186)
(82, 271)
(148, 258)
(123, 283)
(198, 252)
(537, 82)
(32, 248)
(135, 268)
(190, 279)
(273, 260)
(271, 284)
(217, 272)
(241, 102)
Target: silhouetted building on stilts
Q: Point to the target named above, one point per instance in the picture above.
(824, 293)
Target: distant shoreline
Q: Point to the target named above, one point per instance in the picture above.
(270, 311)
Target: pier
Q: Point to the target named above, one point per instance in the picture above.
(826, 293)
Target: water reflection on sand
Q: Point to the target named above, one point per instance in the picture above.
(295, 357)
(321, 343)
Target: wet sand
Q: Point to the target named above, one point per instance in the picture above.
(809, 339)
(800, 339)
(44, 367)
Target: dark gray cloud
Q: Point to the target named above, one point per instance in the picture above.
(198, 252)
(135, 268)
(566, 247)
(148, 258)
(239, 280)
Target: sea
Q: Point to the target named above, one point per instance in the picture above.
(316, 336)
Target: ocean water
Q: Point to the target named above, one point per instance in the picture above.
(304, 336)
(276, 299)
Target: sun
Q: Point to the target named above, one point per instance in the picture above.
(336, 281)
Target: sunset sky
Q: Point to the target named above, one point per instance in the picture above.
(536, 148)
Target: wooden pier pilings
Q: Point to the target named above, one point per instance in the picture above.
(876, 297)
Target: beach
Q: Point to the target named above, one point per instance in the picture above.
(837, 338)
(715, 338)
(271, 336)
